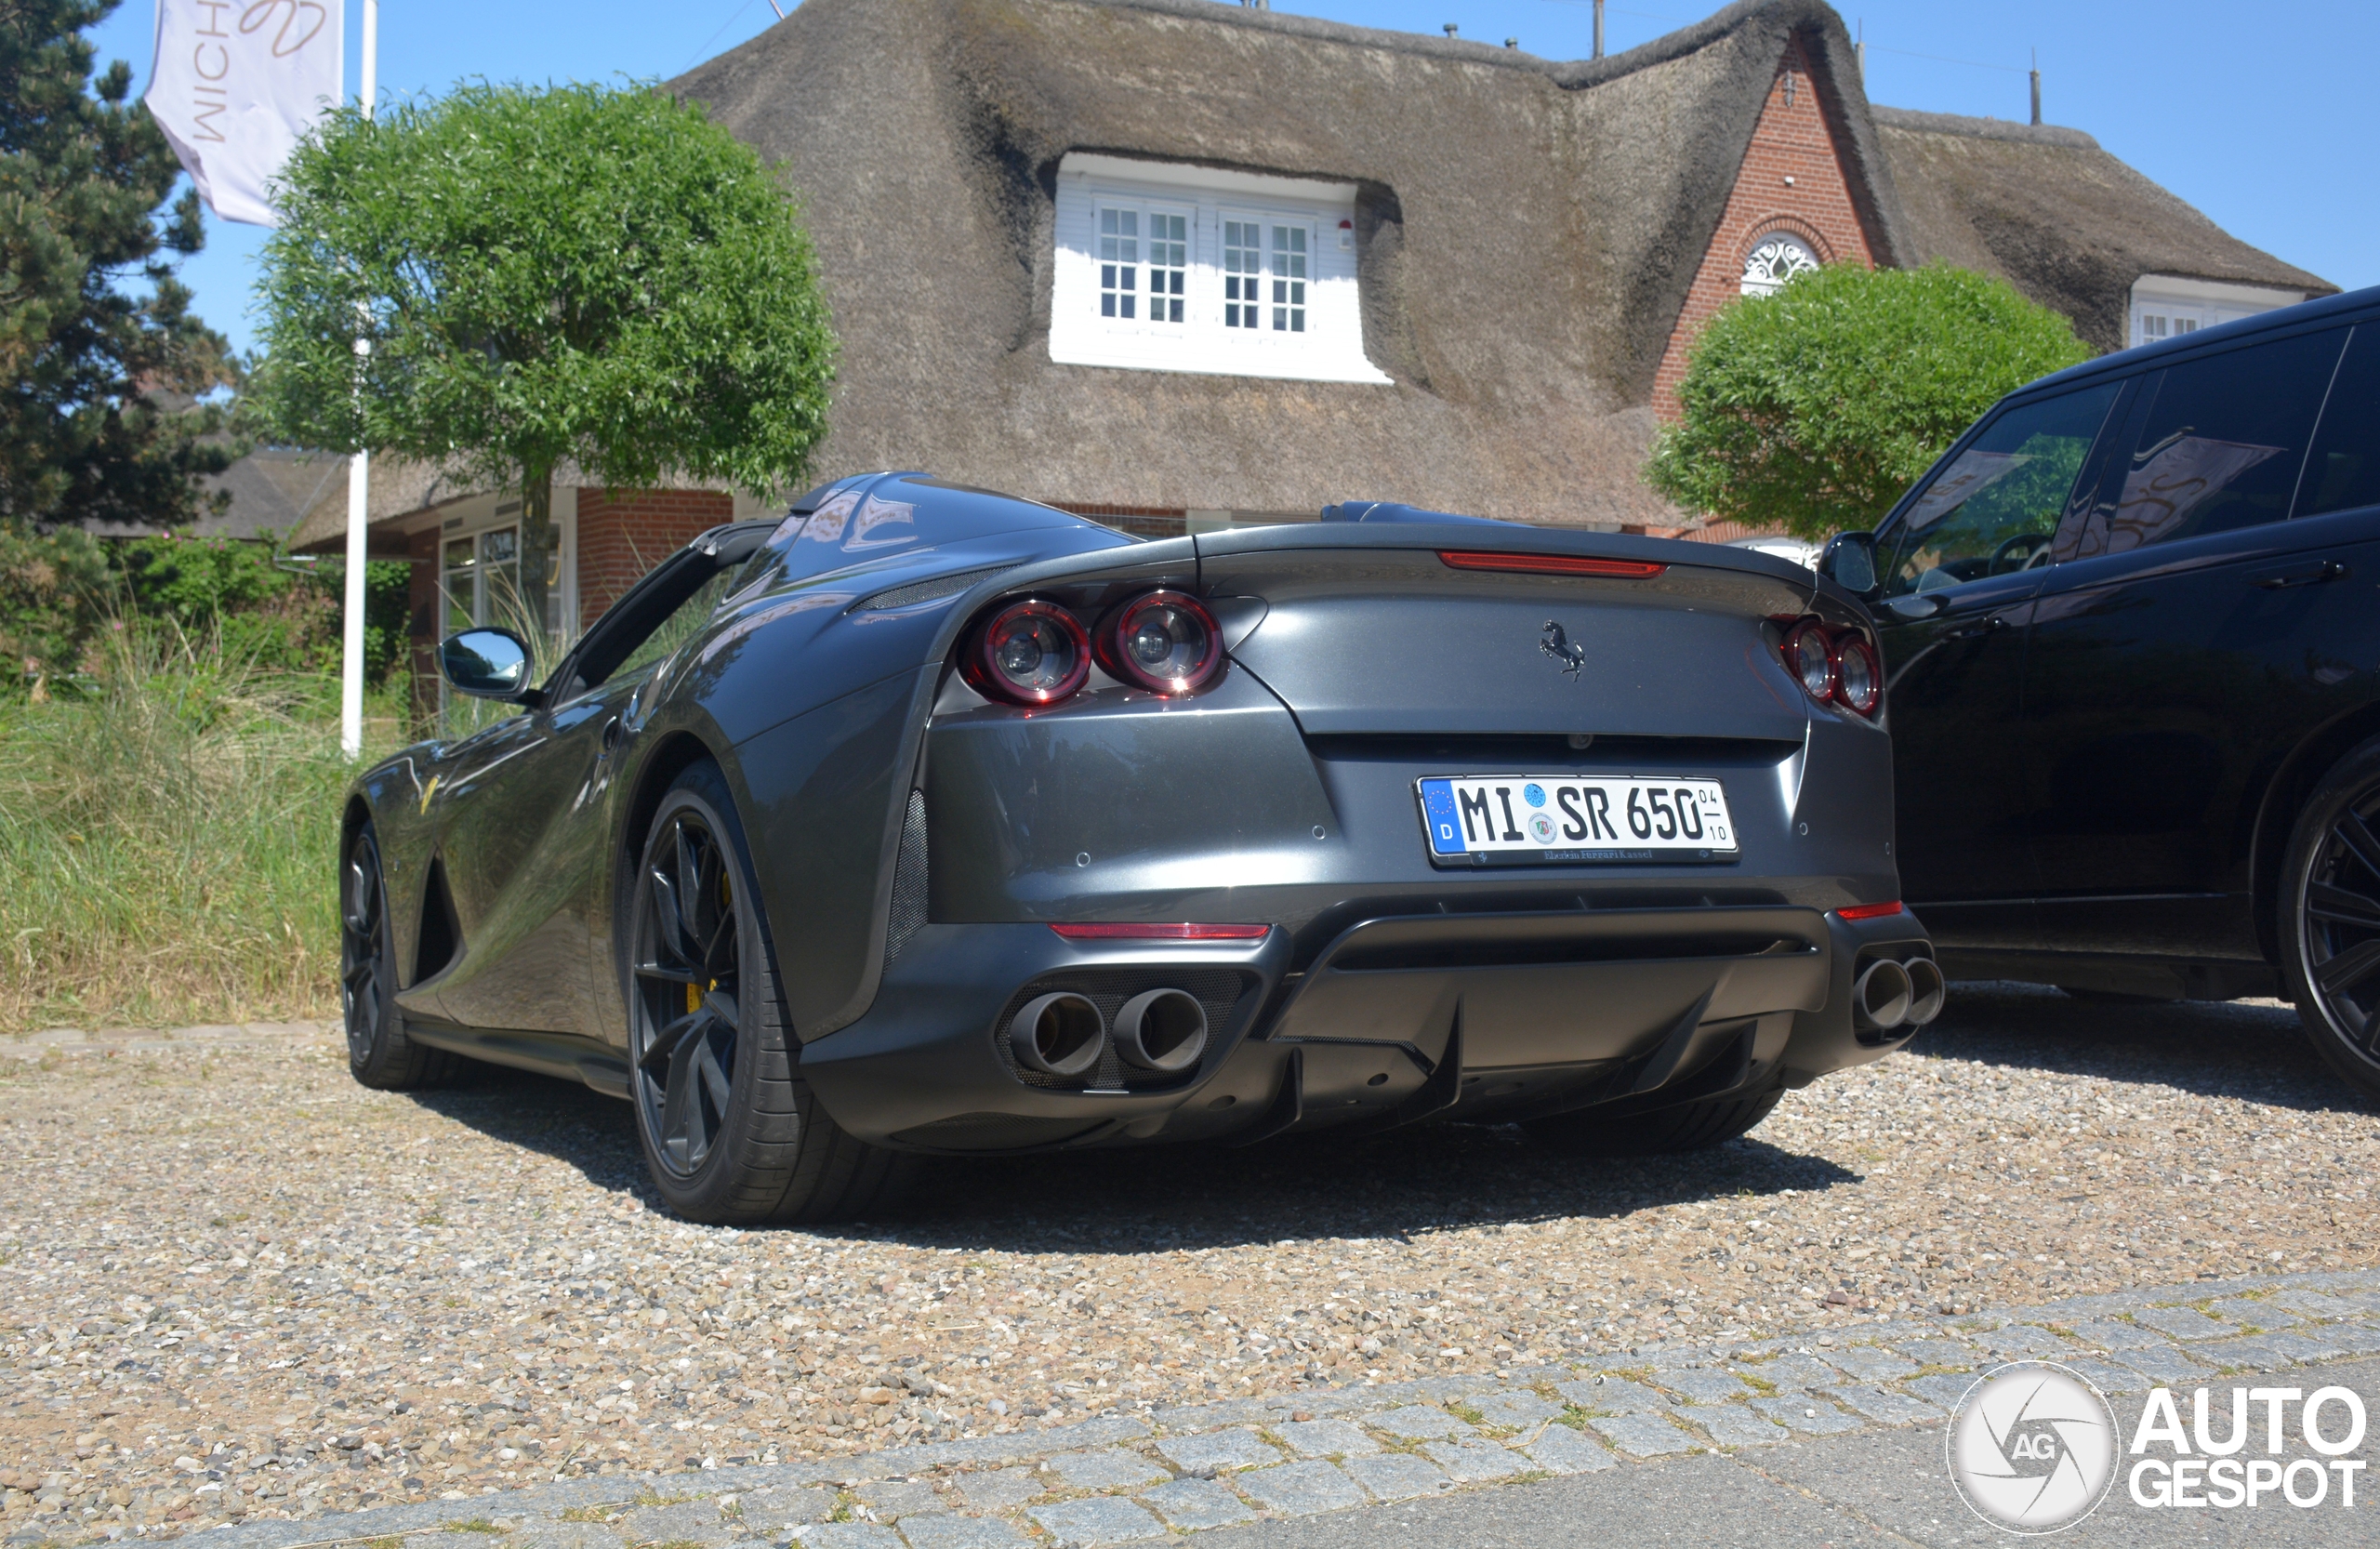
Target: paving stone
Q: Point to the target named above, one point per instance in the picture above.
(1397, 1476)
(1871, 1364)
(556, 1535)
(2107, 1376)
(1318, 1438)
(1110, 1468)
(1475, 1461)
(2023, 1341)
(1643, 1435)
(1231, 1412)
(2255, 1353)
(1519, 1411)
(1232, 1448)
(1795, 1370)
(688, 1521)
(849, 1535)
(2353, 1339)
(998, 1489)
(782, 1505)
(2313, 1303)
(1885, 1406)
(2112, 1335)
(1613, 1395)
(2182, 1323)
(1735, 1425)
(1560, 1449)
(1192, 1504)
(2166, 1364)
(1099, 1519)
(1300, 1489)
(1706, 1386)
(894, 1498)
(1417, 1421)
(961, 1532)
(1806, 1411)
(2253, 1313)
(1940, 1352)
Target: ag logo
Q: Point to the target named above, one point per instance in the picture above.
(2033, 1447)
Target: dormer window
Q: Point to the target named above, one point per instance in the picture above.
(1169, 268)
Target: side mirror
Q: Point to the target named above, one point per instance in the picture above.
(486, 664)
(1849, 561)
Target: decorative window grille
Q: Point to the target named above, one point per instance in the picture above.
(1168, 265)
(1243, 269)
(1774, 260)
(1120, 258)
(1289, 279)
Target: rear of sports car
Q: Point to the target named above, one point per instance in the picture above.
(1360, 824)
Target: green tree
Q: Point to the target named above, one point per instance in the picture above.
(94, 423)
(1817, 406)
(576, 274)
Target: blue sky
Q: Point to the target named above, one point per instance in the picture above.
(2255, 114)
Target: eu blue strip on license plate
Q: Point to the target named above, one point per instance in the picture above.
(1567, 819)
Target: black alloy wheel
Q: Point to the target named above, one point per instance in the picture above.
(378, 1052)
(2331, 918)
(731, 1133)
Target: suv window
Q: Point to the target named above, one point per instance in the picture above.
(2219, 443)
(2343, 471)
(1996, 506)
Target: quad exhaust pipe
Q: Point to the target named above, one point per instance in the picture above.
(1889, 994)
(1063, 1033)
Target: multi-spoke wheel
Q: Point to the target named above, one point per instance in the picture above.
(2330, 917)
(730, 1131)
(377, 1050)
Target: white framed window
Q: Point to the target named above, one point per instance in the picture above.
(1169, 268)
(2165, 306)
(1774, 260)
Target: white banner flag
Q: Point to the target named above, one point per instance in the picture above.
(236, 83)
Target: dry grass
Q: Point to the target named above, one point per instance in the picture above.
(167, 842)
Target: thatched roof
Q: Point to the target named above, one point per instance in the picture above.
(2059, 217)
(1527, 233)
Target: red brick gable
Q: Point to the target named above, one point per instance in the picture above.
(1791, 181)
(624, 532)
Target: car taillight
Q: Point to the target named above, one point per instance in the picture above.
(1835, 667)
(1030, 653)
(1164, 642)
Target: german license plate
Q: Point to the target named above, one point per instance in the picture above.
(1568, 820)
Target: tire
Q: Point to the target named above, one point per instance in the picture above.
(379, 1053)
(2330, 917)
(1687, 1126)
(731, 1134)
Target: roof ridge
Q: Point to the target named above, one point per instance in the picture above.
(1981, 128)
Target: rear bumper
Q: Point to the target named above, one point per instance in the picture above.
(1486, 1017)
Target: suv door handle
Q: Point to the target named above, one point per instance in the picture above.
(2305, 576)
(1977, 630)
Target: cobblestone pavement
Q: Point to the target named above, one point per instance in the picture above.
(237, 1290)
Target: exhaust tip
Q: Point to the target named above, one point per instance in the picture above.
(1162, 1029)
(1057, 1034)
(1881, 994)
(1926, 990)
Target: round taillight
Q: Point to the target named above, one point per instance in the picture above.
(1857, 681)
(1166, 642)
(1809, 655)
(1030, 653)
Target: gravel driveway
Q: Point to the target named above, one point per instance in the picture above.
(234, 1284)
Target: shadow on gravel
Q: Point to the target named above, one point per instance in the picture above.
(1166, 1197)
(2256, 1052)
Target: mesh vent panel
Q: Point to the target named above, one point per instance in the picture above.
(927, 590)
(1215, 990)
(908, 882)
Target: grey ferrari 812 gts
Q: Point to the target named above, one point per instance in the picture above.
(932, 822)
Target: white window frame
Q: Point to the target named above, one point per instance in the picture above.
(2166, 306)
(1329, 347)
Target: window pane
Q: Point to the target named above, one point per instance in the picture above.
(1242, 265)
(2343, 470)
(2222, 441)
(1996, 508)
(1168, 265)
(1289, 281)
(682, 625)
(1120, 252)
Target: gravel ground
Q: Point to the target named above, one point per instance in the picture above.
(234, 1285)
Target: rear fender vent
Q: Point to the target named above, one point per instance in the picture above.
(1217, 990)
(440, 940)
(909, 912)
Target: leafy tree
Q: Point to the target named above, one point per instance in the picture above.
(92, 425)
(1817, 406)
(576, 274)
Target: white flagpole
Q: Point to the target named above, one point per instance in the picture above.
(359, 487)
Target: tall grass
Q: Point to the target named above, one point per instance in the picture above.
(168, 841)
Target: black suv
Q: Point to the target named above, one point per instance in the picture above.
(2132, 631)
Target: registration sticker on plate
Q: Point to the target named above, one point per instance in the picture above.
(1558, 819)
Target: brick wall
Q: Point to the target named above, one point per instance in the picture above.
(624, 532)
(1793, 139)
(421, 607)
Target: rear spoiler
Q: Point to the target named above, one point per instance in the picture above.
(1383, 511)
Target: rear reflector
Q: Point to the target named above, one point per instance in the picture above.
(1869, 911)
(1129, 931)
(1549, 564)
